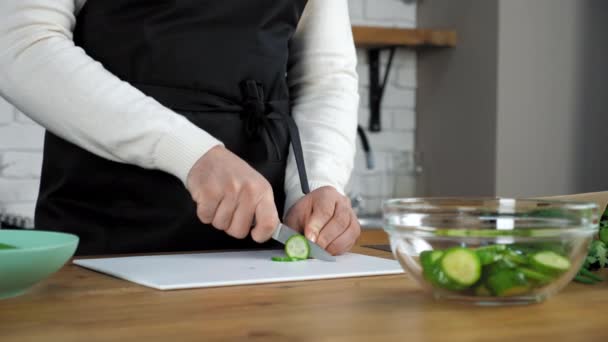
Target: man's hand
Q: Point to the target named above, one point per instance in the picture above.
(327, 218)
(229, 194)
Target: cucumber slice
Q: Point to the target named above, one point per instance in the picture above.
(461, 266)
(297, 247)
(285, 259)
(507, 282)
(428, 260)
(550, 262)
(5, 246)
(535, 276)
(432, 271)
(490, 254)
(515, 257)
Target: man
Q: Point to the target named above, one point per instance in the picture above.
(173, 125)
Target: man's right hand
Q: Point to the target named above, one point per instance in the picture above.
(229, 194)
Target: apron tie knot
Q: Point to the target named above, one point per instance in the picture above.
(257, 113)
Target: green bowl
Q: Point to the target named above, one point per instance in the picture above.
(29, 256)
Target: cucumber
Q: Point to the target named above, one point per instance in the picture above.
(438, 278)
(461, 266)
(428, 260)
(5, 246)
(515, 257)
(506, 282)
(432, 271)
(490, 254)
(536, 277)
(297, 247)
(285, 259)
(550, 262)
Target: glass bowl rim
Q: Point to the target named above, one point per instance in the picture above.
(521, 233)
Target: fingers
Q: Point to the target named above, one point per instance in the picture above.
(267, 219)
(223, 214)
(207, 206)
(347, 239)
(241, 221)
(229, 192)
(322, 211)
(336, 226)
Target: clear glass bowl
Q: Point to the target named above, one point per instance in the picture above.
(490, 251)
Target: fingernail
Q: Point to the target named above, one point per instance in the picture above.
(313, 232)
(312, 236)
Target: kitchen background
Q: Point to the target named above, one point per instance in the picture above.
(517, 108)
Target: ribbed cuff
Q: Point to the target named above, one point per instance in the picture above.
(181, 147)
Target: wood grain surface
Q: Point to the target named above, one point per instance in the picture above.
(370, 36)
(76, 304)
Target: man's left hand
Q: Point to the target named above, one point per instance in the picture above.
(327, 218)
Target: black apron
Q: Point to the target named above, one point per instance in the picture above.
(221, 64)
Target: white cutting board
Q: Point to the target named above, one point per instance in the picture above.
(182, 271)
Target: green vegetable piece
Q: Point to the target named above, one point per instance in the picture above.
(461, 266)
(598, 253)
(550, 262)
(297, 247)
(5, 246)
(285, 259)
(582, 279)
(589, 274)
(604, 235)
(428, 260)
(507, 282)
(515, 257)
(490, 254)
(534, 276)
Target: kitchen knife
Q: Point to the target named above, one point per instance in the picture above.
(282, 233)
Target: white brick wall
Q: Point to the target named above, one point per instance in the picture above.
(393, 147)
(21, 139)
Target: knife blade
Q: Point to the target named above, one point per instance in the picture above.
(283, 232)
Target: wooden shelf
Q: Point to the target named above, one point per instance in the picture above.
(370, 36)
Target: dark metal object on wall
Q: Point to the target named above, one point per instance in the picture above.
(376, 88)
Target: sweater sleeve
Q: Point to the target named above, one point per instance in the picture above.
(324, 89)
(59, 86)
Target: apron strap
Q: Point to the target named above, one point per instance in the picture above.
(257, 114)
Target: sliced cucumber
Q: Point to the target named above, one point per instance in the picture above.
(297, 247)
(515, 257)
(490, 254)
(285, 259)
(550, 262)
(428, 260)
(507, 282)
(5, 246)
(535, 276)
(461, 266)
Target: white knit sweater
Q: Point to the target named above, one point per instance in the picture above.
(59, 86)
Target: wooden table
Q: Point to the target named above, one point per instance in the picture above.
(80, 305)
